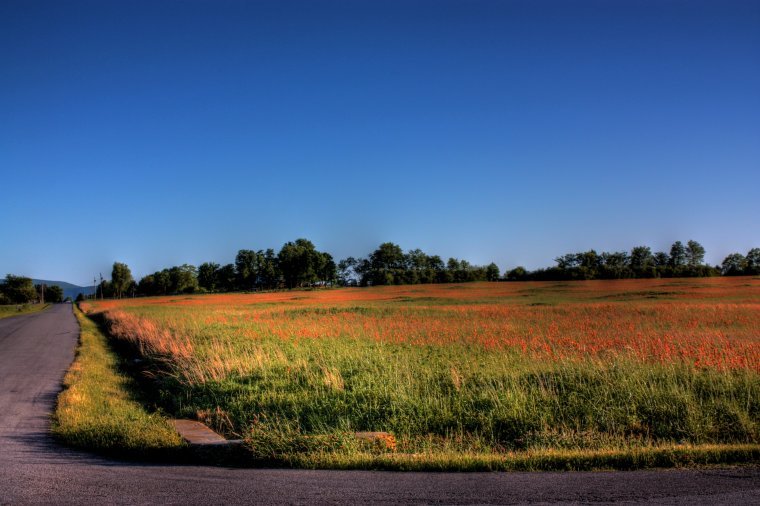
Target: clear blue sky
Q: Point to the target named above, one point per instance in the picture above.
(159, 133)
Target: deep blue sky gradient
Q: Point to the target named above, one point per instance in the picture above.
(159, 133)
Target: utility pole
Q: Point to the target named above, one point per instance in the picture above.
(42, 293)
(101, 286)
(95, 282)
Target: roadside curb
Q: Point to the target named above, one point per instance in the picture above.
(206, 446)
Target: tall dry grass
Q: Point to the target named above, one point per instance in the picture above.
(483, 368)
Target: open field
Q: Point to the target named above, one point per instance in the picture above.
(471, 376)
(19, 309)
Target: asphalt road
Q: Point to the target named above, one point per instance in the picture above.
(35, 351)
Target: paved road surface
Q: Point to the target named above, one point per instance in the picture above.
(35, 351)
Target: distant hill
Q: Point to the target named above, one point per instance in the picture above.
(69, 290)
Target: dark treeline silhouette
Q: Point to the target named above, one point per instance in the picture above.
(681, 261)
(21, 290)
(737, 264)
(297, 264)
(389, 265)
(300, 264)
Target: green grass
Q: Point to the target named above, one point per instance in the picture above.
(97, 410)
(296, 380)
(537, 460)
(19, 309)
(507, 413)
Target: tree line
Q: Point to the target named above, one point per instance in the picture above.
(22, 290)
(681, 261)
(389, 265)
(300, 264)
(297, 264)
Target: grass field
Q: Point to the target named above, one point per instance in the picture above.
(471, 376)
(19, 309)
(98, 410)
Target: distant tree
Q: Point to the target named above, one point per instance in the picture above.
(184, 279)
(80, 297)
(147, 285)
(246, 266)
(437, 269)
(347, 274)
(733, 265)
(416, 267)
(226, 278)
(589, 259)
(363, 271)
(677, 255)
(695, 254)
(661, 259)
(517, 274)
(589, 262)
(617, 259)
(131, 289)
(53, 293)
(269, 272)
(459, 270)
(492, 272)
(615, 265)
(325, 268)
(299, 262)
(163, 282)
(642, 261)
(662, 264)
(568, 261)
(121, 278)
(387, 264)
(18, 289)
(208, 275)
(753, 261)
(105, 288)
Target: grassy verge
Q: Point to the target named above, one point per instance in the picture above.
(97, 409)
(19, 309)
(542, 460)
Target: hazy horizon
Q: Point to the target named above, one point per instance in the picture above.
(163, 133)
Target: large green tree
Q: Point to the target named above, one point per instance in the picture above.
(226, 278)
(386, 265)
(18, 289)
(246, 266)
(642, 261)
(299, 262)
(121, 279)
(753, 261)
(347, 274)
(208, 276)
(184, 278)
(695, 254)
(733, 265)
(492, 272)
(677, 255)
(269, 272)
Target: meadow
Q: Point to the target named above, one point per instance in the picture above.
(461, 376)
(19, 309)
